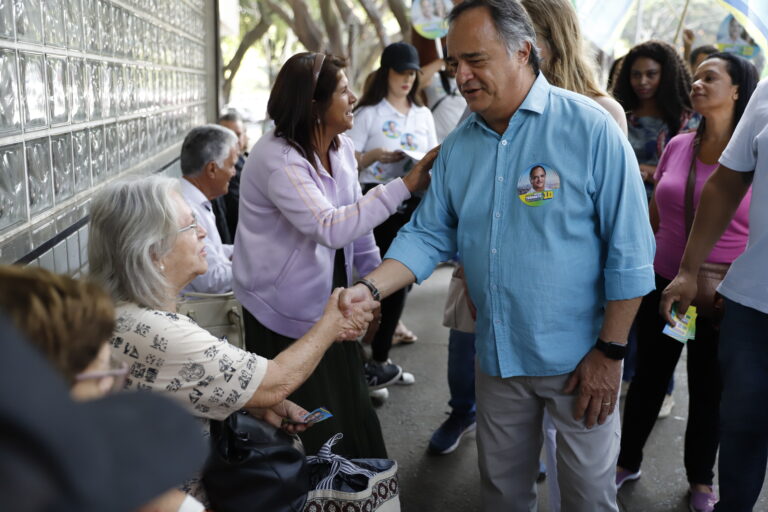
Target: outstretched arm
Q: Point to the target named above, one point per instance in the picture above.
(720, 198)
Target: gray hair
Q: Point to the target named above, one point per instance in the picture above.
(513, 25)
(230, 116)
(133, 224)
(204, 144)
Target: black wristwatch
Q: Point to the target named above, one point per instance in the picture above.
(611, 349)
(371, 287)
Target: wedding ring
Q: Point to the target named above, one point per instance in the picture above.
(606, 404)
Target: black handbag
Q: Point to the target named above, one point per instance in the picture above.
(254, 466)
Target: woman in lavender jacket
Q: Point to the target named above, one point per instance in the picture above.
(303, 226)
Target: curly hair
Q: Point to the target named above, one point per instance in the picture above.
(672, 96)
(68, 320)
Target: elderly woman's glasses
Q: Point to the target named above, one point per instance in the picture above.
(316, 68)
(118, 370)
(191, 226)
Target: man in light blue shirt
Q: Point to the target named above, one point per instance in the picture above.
(556, 276)
(208, 157)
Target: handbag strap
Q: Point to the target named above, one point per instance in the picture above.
(690, 185)
(338, 464)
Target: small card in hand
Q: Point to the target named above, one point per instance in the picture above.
(317, 415)
(685, 325)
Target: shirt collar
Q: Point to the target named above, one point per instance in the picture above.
(535, 101)
(193, 194)
(384, 107)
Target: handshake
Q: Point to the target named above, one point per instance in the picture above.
(350, 311)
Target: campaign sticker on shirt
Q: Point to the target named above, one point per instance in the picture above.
(408, 142)
(538, 185)
(390, 129)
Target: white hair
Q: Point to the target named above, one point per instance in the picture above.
(204, 144)
(134, 223)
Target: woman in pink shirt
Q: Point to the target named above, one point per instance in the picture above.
(723, 84)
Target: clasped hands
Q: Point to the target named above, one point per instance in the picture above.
(350, 320)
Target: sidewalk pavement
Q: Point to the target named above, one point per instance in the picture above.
(450, 483)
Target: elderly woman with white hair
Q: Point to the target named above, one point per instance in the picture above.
(145, 246)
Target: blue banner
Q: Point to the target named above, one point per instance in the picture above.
(753, 16)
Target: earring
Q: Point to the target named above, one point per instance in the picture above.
(162, 268)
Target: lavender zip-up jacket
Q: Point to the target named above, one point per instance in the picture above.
(292, 220)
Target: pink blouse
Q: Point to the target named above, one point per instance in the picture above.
(671, 177)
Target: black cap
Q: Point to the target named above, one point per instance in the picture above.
(400, 56)
(112, 454)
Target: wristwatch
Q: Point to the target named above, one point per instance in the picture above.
(371, 287)
(611, 349)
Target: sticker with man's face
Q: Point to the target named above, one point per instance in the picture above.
(538, 185)
(408, 142)
(391, 129)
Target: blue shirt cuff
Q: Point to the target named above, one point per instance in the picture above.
(623, 284)
(414, 255)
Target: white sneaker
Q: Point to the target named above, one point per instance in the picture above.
(406, 379)
(379, 395)
(666, 406)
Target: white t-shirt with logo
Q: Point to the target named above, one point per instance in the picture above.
(747, 280)
(382, 126)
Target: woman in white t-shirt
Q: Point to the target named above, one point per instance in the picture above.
(390, 120)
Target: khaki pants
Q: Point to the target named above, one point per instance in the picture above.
(509, 438)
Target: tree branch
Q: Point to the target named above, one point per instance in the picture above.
(348, 17)
(401, 15)
(373, 15)
(249, 39)
(305, 27)
(332, 28)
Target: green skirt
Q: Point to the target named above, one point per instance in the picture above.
(337, 384)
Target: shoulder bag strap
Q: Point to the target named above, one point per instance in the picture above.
(690, 185)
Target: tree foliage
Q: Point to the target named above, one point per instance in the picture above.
(355, 29)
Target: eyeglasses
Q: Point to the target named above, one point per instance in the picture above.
(191, 226)
(318, 66)
(118, 370)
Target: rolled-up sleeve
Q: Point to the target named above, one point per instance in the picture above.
(430, 236)
(622, 211)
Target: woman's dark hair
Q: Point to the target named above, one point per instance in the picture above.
(743, 75)
(377, 87)
(613, 74)
(296, 104)
(672, 96)
(707, 49)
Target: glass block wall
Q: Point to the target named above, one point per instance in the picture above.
(89, 90)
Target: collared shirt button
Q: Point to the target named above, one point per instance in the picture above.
(500, 178)
(504, 143)
(498, 215)
(493, 287)
(493, 251)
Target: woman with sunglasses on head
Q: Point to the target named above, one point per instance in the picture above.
(304, 226)
(653, 87)
(388, 121)
(723, 84)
